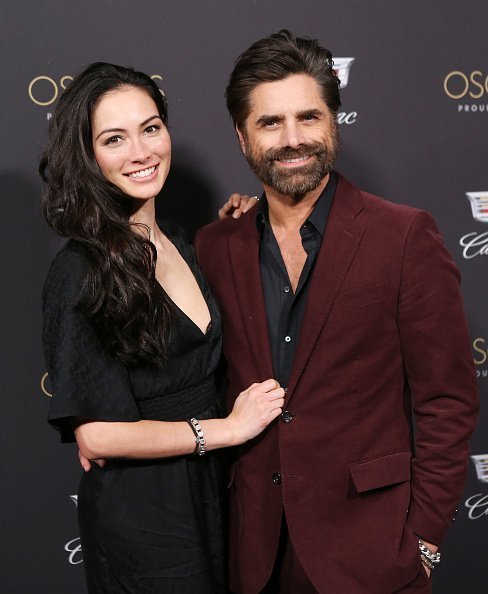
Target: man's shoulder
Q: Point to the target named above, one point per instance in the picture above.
(375, 203)
(382, 215)
(222, 230)
(379, 204)
(381, 209)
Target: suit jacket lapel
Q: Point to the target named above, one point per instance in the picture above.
(244, 255)
(341, 241)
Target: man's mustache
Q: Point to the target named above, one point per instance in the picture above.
(304, 150)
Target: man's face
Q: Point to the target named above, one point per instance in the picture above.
(290, 137)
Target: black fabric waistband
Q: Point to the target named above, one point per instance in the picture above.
(181, 405)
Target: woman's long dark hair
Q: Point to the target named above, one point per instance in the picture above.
(128, 308)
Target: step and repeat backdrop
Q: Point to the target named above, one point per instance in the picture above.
(413, 127)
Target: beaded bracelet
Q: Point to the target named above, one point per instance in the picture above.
(199, 436)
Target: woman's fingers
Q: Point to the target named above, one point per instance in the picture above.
(266, 386)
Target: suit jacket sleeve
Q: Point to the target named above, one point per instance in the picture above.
(439, 366)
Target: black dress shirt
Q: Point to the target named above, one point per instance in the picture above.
(285, 309)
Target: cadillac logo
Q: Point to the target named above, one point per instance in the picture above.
(342, 66)
(479, 205)
(481, 465)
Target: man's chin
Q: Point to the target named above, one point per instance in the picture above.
(297, 185)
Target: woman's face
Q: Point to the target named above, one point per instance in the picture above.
(132, 145)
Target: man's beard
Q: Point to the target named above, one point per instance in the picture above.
(300, 179)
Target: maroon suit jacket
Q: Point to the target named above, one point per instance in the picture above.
(384, 333)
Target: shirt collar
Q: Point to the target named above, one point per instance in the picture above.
(318, 216)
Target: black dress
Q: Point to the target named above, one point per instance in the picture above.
(149, 526)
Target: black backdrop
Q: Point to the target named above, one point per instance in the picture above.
(414, 130)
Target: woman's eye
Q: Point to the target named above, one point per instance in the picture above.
(113, 140)
(152, 128)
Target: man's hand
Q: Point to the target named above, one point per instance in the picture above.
(432, 547)
(236, 205)
(87, 464)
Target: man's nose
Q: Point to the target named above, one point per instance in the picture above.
(292, 135)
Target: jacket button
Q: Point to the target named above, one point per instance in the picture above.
(276, 478)
(286, 416)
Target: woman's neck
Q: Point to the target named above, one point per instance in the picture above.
(144, 217)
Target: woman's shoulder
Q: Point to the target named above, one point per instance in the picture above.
(67, 270)
(72, 253)
(173, 230)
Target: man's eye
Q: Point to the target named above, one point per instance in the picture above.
(269, 123)
(309, 117)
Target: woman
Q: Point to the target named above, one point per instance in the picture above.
(132, 341)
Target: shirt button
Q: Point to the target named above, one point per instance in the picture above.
(276, 478)
(286, 289)
(286, 416)
(287, 338)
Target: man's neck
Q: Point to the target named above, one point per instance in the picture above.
(288, 213)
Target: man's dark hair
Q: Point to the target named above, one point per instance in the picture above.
(274, 58)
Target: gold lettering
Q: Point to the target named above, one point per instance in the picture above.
(448, 78)
(43, 385)
(476, 84)
(63, 83)
(52, 82)
(63, 80)
(482, 351)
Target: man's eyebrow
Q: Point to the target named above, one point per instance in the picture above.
(264, 119)
(310, 112)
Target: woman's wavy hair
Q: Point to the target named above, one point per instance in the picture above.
(128, 308)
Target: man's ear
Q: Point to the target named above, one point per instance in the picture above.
(242, 141)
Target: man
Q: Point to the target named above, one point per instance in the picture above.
(353, 304)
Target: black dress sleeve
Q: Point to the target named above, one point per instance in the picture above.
(87, 382)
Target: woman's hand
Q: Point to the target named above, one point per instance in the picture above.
(236, 205)
(255, 408)
(87, 464)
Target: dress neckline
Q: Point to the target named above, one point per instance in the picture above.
(209, 326)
